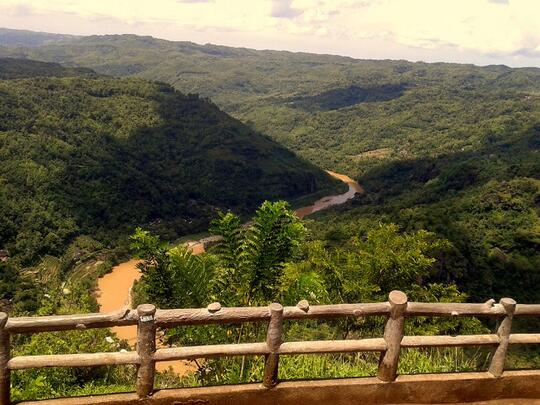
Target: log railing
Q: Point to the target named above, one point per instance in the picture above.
(147, 319)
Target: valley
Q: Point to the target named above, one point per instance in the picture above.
(104, 154)
(421, 177)
(114, 289)
(449, 132)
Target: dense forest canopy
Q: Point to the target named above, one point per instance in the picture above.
(449, 156)
(11, 68)
(339, 112)
(427, 141)
(88, 154)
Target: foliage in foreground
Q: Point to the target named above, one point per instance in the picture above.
(273, 258)
(370, 260)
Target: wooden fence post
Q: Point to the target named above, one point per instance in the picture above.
(274, 338)
(496, 366)
(393, 333)
(146, 347)
(4, 358)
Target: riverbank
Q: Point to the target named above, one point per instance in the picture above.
(328, 201)
(114, 293)
(114, 289)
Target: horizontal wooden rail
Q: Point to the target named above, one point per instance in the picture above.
(453, 309)
(527, 310)
(452, 341)
(465, 309)
(524, 338)
(333, 311)
(260, 349)
(73, 360)
(209, 351)
(333, 346)
(397, 310)
(179, 317)
(71, 322)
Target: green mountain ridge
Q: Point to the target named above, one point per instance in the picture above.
(422, 138)
(11, 37)
(449, 156)
(12, 68)
(97, 155)
(298, 98)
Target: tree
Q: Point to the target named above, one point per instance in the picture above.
(172, 277)
(251, 260)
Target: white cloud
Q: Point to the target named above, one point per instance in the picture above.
(283, 9)
(467, 24)
(18, 10)
(481, 31)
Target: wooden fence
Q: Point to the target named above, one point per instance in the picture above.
(147, 318)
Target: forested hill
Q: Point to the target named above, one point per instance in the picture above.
(88, 154)
(9, 37)
(450, 148)
(12, 68)
(340, 113)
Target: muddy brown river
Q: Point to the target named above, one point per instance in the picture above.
(114, 288)
(326, 202)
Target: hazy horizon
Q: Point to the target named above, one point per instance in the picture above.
(266, 49)
(480, 32)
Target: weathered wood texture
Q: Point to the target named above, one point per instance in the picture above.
(146, 347)
(452, 341)
(73, 360)
(148, 318)
(210, 351)
(503, 332)
(527, 310)
(178, 317)
(393, 333)
(333, 346)
(190, 316)
(274, 338)
(260, 349)
(71, 322)
(453, 309)
(524, 338)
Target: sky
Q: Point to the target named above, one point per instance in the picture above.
(465, 31)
